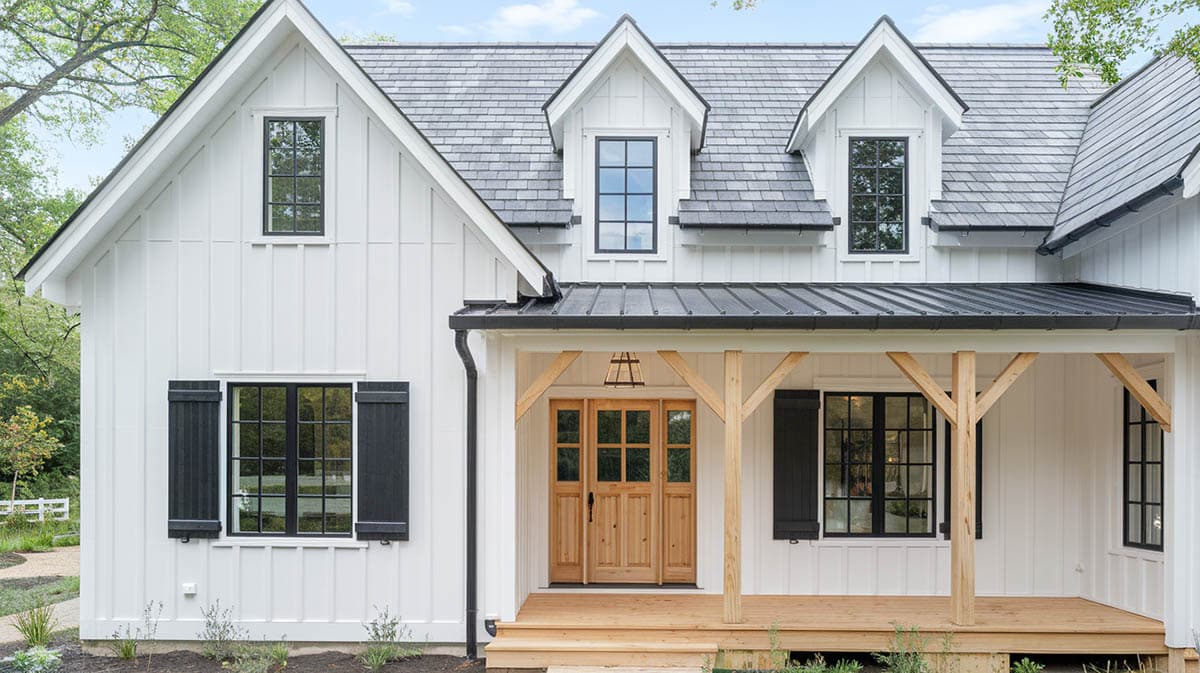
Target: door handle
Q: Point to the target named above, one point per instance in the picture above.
(591, 501)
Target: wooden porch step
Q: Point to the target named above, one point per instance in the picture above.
(516, 652)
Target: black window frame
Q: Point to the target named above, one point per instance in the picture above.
(1144, 423)
(291, 460)
(267, 175)
(653, 140)
(878, 466)
(850, 194)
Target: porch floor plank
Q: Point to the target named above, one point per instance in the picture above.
(826, 623)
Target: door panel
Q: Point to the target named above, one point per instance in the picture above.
(624, 530)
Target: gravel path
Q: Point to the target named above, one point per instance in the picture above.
(62, 561)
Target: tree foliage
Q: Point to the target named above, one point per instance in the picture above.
(26, 444)
(1101, 35)
(68, 62)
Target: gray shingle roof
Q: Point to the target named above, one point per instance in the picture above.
(481, 106)
(838, 306)
(1136, 145)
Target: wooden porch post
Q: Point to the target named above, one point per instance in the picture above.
(733, 487)
(962, 503)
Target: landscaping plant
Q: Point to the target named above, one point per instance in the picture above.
(124, 643)
(220, 634)
(906, 653)
(252, 658)
(384, 636)
(279, 651)
(1027, 665)
(36, 660)
(36, 625)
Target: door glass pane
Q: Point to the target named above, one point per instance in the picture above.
(918, 481)
(1154, 483)
(310, 515)
(274, 403)
(1154, 525)
(1135, 482)
(608, 464)
(861, 412)
(637, 427)
(679, 465)
(247, 514)
(895, 516)
(1153, 447)
(337, 515)
(1135, 442)
(895, 412)
(245, 403)
(1133, 519)
(835, 516)
(568, 426)
(679, 427)
(274, 515)
(920, 416)
(568, 463)
(637, 464)
(608, 427)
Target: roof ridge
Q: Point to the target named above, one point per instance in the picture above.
(700, 44)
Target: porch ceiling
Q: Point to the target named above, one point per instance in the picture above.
(806, 306)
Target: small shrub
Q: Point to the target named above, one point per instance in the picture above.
(124, 642)
(251, 658)
(906, 653)
(220, 634)
(846, 666)
(384, 636)
(36, 660)
(278, 651)
(36, 625)
(1027, 665)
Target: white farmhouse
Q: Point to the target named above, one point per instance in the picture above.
(626, 352)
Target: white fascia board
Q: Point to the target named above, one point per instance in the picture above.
(1191, 175)
(884, 38)
(278, 21)
(624, 37)
(117, 194)
(528, 267)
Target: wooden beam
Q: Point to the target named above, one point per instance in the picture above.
(769, 384)
(1002, 383)
(544, 381)
(694, 381)
(733, 488)
(924, 382)
(1129, 377)
(962, 496)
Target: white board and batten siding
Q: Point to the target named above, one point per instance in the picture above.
(189, 288)
(1051, 515)
(627, 100)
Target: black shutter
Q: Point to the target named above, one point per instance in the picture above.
(797, 464)
(382, 461)
(944, 528)
(193, 459)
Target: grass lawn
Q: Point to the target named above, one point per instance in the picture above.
(19, 594)
(19, 536)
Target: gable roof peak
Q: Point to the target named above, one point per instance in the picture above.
(625, 36)
(883, 37)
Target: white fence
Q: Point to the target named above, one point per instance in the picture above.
(38, 510)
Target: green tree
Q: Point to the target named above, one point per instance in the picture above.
(69, 62)
(25, 444)
(1101, 35)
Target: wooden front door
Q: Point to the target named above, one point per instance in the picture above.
(623, 491)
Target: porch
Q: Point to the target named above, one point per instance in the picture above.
(655, 629)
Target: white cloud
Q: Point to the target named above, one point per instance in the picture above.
(1003, 21)
(551, 16)
(398, 7)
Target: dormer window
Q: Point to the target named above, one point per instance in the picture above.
(878, 195)
(625, 195)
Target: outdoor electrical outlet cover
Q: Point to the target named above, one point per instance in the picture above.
(189, 589)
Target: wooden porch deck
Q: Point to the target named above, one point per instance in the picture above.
(588, 628)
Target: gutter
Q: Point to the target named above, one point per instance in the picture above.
(1167, 188)
(472, 598)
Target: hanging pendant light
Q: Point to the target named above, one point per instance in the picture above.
(624, 371)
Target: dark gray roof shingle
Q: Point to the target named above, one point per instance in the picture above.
(1137, 142)
(481, 106)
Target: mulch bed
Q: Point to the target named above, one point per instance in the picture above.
(10, 559)
(76, 661)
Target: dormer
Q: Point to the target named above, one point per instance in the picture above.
(626, 123)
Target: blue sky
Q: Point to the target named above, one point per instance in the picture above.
(588, 20)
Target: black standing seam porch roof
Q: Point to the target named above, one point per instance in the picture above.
(806, 306)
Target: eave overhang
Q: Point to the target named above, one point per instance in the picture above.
(626, 37)
(883, 38)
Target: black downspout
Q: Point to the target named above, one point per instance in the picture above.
(464, 352)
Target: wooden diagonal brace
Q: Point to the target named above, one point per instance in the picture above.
(1002, 383)
(705, 392)
(924, 382)
(1129, 377)
(544, 381)
(769, 384)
